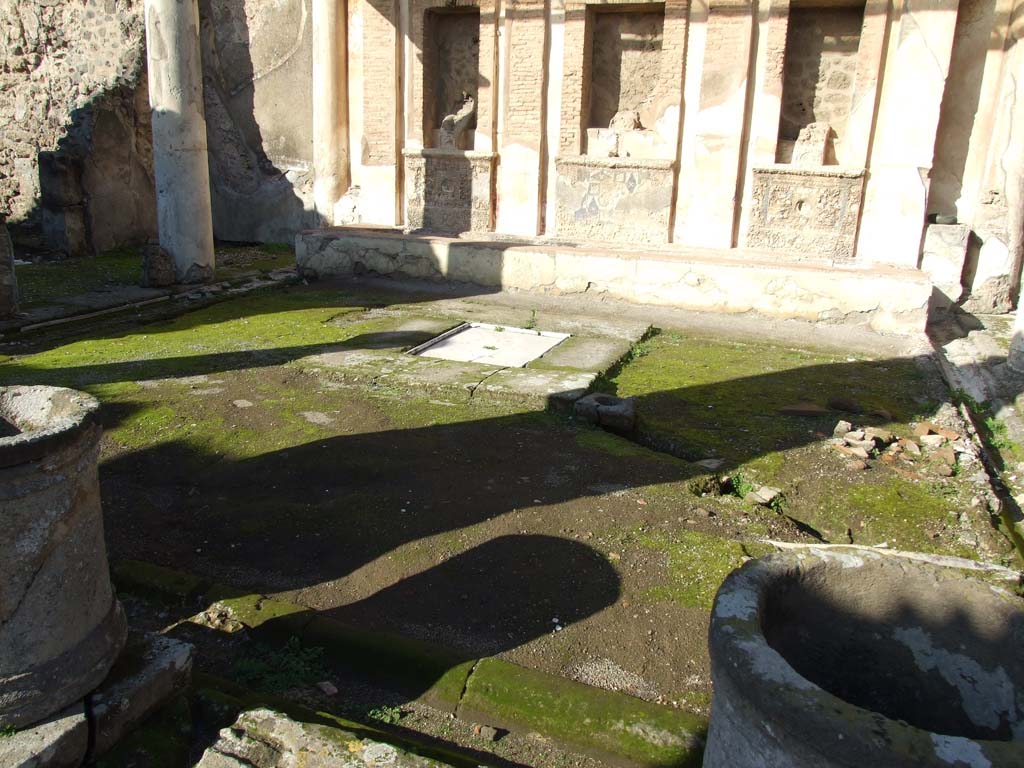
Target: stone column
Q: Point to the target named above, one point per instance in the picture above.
(8, 281)
(330, 106)
(1013, 163)
(180, 160)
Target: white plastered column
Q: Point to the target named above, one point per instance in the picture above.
(1013, 163)
(180, 161)
(330, 106)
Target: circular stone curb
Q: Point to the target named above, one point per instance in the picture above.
(61, 626)
(850, 620)
(46, 419)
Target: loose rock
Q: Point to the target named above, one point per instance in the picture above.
(764, 495)
(615, 413)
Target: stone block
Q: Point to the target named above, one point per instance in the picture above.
(602, 142)
(615, 413)
(943, 255)
(811, 148)
(261, 738)
(450, 190)
(888, 300)
(806, 212)
(644, 144)
(150, 671)
(60, 741)
(989, 280)
(624, 200)
(158, 268)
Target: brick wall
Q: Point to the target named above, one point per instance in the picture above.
(666, 91)
(420, 91)
(524, 91)
(380, 107)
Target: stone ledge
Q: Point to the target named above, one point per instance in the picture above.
(828, 171)
(885, 299)
(151, 670)
(453, 154)
(592, 161)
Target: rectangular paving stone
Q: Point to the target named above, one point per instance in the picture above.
(150, 671)
(59, 742)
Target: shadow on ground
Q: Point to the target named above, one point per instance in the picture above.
(312, 515)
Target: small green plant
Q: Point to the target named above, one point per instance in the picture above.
(740, 485)
(277, 670)
(532, 325)
(7, 732)
(998, 435)
(386, 715)
(778, 504)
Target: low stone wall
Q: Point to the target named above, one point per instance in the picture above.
(613, 199)
(449, 190)
(886, 299)
(807, 211)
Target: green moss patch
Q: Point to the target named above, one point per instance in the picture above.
(47, 282)
(153, 581)
(698, 563)
(721, 398)
(420, 669)
(601, 722)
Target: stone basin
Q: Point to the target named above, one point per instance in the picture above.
(61, 626)
(853, 658)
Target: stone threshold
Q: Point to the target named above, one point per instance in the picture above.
(885, 299)
(608, 725)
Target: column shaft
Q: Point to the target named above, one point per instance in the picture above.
(180, 164)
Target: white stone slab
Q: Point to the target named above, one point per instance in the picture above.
(502, 346)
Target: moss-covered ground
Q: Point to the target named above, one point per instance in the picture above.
(50, 282)
(479, 526)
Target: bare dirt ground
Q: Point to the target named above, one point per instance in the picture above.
(488, 527)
